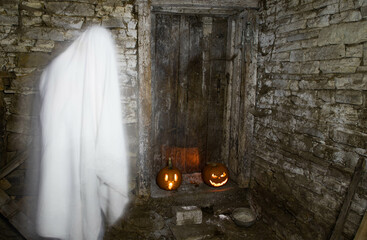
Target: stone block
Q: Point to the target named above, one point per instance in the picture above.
(292, 26)
(31, 21)
(349, 137)
(18, 142)
(113, 22)
(346, 33)
(18, 124)
(318, 22)
(354, 82)
(8, 20)
(312, 67)
(185, 215)
(67, 22)
(364, 11)
(35, 5)
(33, 59)
(43, 46)
(349, 16)
(43, 34)
(22, 104)
(329, 9)
(71, 9)
(346, 65)
(349, 97)
(10, 7)
(354, 51)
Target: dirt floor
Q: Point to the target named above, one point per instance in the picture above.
(154, 218)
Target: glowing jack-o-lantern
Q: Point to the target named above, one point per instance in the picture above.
(215, 174)
(169, 178)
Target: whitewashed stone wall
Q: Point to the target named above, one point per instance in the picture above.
(312, 91)
(32, 33)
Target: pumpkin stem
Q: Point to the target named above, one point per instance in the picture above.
(170, 163)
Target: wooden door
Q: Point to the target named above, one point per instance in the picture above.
(188, 87)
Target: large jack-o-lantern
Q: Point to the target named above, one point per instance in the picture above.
(215, 174)
(169, 178)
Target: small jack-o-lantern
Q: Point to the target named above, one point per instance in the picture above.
(215, 174)
(169, 178)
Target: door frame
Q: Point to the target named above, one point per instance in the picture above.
(240, 147)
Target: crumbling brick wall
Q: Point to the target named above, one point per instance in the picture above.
(32, 33)
(312, 91)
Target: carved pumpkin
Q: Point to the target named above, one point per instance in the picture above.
(215, 174)
(169, 178)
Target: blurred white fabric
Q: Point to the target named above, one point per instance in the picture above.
(84, 168)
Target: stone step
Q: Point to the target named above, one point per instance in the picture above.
(200, 195)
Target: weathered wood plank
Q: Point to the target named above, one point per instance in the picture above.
(173, 54)
(16, 162)
(11, 210)
(161, 100)
(357, 176)
(202, 10)
(145, 98)
(250, 76)
(196, 122)
(181, 132)
(362, 230)
(205, 3)
(217, 88)
(228, 97)
(234, 158)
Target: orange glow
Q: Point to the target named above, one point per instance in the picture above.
(170, 185)
(166, 177)
(187, 160)
(218, 184)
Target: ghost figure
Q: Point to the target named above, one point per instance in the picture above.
(84, 169)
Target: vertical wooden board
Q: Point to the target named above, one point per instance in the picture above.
(250, 75)
(362, 230)
(206, 79)
(171, 94)
(235, 101)
(245, 64)
(182, 94)
(228, 92)
(216, 89)
(161, 86)
(196, 114)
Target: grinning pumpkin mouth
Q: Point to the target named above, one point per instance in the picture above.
(218, 184)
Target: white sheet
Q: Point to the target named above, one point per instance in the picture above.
(84, 168)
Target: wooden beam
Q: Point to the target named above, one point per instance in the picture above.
(357, 176)
(362, 230)
(145, 98)
(197, 10)
(16, 162)
(11, 210)
(206, 3)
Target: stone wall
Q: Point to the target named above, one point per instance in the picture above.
(312, 96)
(32, 33)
